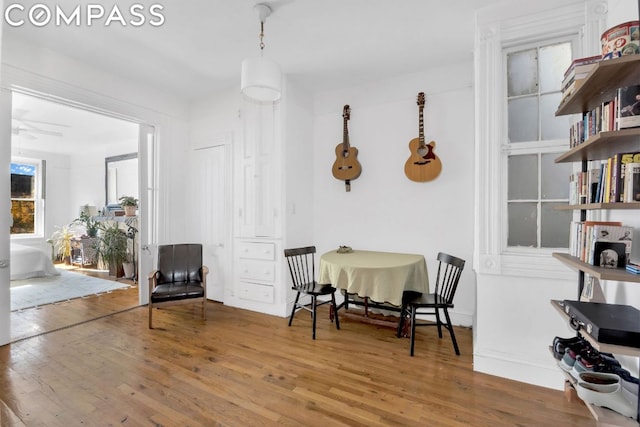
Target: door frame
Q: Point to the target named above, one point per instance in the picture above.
(17, 80)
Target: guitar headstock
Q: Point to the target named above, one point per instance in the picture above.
(420, 100)
(346, 112)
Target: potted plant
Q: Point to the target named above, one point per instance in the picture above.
(61, 241)
(90, 224)
(129, 204)
(112, 247)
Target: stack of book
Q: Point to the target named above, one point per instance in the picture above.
(601, 243)
(576, 73)
(633, 267)
(614, 180)
(622, 112)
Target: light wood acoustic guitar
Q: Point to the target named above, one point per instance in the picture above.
(346, 167)
(423, 165)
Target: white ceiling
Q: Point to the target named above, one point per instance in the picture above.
(322, 45)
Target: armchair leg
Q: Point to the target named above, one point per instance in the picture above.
(150, 315)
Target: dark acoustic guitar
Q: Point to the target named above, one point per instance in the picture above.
(423, 164)
(346, 167)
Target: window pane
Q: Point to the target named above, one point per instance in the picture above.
(523, 177)
(23, 212)
(523, 119)
(23, 186)
(523, 224)
(522, 73)
(555, 178)
(554, 61)
(555, 226)
(553, 127)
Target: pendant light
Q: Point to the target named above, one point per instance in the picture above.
(261, 79)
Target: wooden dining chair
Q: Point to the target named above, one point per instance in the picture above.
(413, 303)
(301, 263)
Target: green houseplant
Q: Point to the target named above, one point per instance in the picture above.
(112, 246)
(90, 224)
(129, 204)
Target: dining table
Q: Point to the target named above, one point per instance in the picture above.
(378, 279)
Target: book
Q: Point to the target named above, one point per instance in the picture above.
(621, 160)
(628, 107)
(578, 62)
(631, 186)
(599, 233)
(584, 231)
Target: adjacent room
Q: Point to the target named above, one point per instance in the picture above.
(296, 187)
(69, 166)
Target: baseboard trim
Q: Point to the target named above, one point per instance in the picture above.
(519, 370)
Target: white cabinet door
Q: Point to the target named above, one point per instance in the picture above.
(258, 171)
(210, 201)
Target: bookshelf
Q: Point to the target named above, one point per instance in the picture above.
(602, 83)
(598, 87)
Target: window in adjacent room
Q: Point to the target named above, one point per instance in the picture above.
(536, 184)
(27, 196)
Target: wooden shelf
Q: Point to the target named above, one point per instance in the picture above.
(602, 83)
(617, 274)
(602, 415)
(593, 206)
(601, 347)
(602, 146)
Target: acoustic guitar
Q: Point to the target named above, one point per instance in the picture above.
(346, 167)
(423, 165)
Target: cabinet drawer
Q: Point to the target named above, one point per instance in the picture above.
(256, 292)
(255, 250)
(257, 270)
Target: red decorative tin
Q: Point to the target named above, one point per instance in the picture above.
(620, 40)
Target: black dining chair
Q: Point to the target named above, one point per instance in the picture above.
(413, 303)
(301, 263)
(180, 278)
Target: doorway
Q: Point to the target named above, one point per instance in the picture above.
(70, 144)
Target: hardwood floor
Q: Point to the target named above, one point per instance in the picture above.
(46, 318)
(241, 368)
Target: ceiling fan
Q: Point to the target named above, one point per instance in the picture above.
(24, 127)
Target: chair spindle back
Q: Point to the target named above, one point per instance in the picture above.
(301, 265)
(449, 271)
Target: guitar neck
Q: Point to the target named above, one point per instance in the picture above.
(421, 127)
(345, 136)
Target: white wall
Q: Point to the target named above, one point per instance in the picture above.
(385, 211)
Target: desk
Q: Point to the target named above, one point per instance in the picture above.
(379, 276)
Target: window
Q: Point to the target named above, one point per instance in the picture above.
(535, 137)
(26, 196)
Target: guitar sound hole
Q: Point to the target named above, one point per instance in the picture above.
(345, 154)
(423, 151)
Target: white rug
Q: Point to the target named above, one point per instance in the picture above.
(47, 290)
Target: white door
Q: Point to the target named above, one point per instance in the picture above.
(211, 214)
(148, 222)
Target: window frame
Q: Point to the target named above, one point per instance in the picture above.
(39, 197)
(514, 30)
